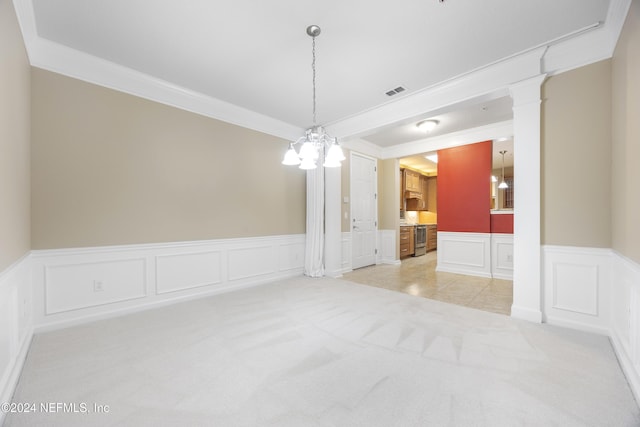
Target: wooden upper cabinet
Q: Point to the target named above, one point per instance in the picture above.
(411, 181)
(432, 197)
(413, 184)
(419, 204)
(424, 189)
(402, 189)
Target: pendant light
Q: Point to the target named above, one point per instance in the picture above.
(503, 184)
(315, 140)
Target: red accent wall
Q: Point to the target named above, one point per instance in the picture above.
(502, 223)
(464, 192)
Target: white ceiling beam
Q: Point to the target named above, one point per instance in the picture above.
(496, 77)
(454, 139)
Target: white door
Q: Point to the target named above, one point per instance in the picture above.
(364, 211)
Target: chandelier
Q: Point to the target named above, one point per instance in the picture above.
(315, 141)
(503, 184)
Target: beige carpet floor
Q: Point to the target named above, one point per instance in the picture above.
(323, 352)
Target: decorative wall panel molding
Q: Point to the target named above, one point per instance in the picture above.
(464, 253)
(502, 256)
(251, 262)
(178, 272)
(577, 284)
(16, 325)
(77, 285)
(624, 328)
(575, 288)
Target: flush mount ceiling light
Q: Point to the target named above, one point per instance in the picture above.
(315, 141)
(503, 184)
(432, 157)
(427, 125)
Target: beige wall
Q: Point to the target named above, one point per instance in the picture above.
(626, 138)
(389, 197)
(388, 194)
(110, 168)
(14, 140)
(576, 157)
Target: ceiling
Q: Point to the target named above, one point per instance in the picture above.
(256, 56)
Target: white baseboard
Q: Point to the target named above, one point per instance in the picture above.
(525, 313)
(73, 286)
(625, 318)
(630, 369)
(16, 325)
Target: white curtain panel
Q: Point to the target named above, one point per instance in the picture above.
(314, 249)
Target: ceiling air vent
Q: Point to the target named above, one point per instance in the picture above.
(395, 91)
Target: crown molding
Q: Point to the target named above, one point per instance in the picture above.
(70, 62)
(589, 47)
(567, 53)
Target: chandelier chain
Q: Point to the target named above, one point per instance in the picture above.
(316, 144)
(313, 67)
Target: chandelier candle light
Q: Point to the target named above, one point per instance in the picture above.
(315, 139)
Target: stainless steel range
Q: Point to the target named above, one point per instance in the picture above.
(420, 239)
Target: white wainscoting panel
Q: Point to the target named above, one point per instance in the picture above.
(177, 272)
(290, 256)
(251, 262)
(387, 248)
(502, 256)
(625, 318)
(79, 285)
(16, 325)
(577, 283)
(464, 253)
(76, 285)
(346, 252)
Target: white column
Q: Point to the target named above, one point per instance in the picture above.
(333, 224)
(527, 266)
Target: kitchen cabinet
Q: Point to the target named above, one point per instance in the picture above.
(412, 181)
(402, 187)
(407, 244)
(417, 200)
(432, 237)
(432, 195)
(429, 200)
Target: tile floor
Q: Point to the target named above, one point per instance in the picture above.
(417, 276)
